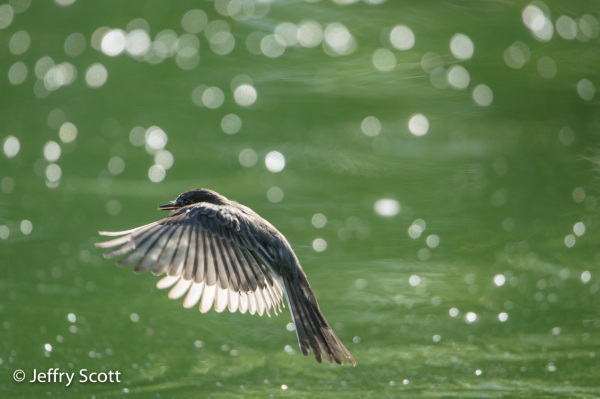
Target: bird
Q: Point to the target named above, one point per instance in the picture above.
(219, 251)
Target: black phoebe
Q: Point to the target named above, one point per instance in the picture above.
(226, 253)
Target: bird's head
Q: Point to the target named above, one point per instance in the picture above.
(193, 197)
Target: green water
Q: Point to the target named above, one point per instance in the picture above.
(484, 284)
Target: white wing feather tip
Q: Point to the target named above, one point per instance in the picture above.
(166, 282)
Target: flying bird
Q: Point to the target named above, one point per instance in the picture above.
(223, 253)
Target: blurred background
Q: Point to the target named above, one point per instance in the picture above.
(433, 164)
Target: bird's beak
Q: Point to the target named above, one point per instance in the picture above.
(169, 206)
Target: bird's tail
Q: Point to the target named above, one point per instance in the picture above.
(312, 329)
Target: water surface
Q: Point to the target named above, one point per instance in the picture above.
(433, 164)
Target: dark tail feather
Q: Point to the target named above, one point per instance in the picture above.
(304, 332)
(312, 329)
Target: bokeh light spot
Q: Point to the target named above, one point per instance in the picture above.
(310, 34)
(53, 173)
(570, 240)
(26, 227)
(517, 55)
(418, 125)
(67, 132)
(499, 280)
(586, 276)
(137, 42)
(431, 61)
(4, 232)
(275, 194)
(222, 43)
(462, 47)
(116, 165)
(579, 229)
(287, 33)
(483, 95)
(19, 42)
(387, 207)
(156, 173)
(384, 60)
(164, 158)
(17, 73)
(213, 97)
(566, 135)
(272, 46)
(113, 42)
(566, 27)
(339, 39)
(433, 241)
(319, 245)
(579, 195)
(96, 75)
(194, 21)
(231, 124)
(75, 44)
(275, 161)
(11, 146)
(547, 67)
(245, 95)
(402, 37)
(52, 151)
(458, 77)
(156, 139)
(586, 89)
(371, 126)
(470, 317)
(248, 157)
(137, 136)
(319, 220)
(6, 15)
(414, 280)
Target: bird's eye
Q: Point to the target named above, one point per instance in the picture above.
(187, 201)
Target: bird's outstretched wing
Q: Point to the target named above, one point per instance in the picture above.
(208, 251)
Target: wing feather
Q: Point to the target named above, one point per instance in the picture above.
(260, 302)
(166, 257)
(201, 254)
(180, 288)
(221, 299)
(193, 295)
(208, 298)
(143, 247)
(254, 270)
(221, 268)
(234, 299)
(210, 266)
(243, 302)
(166, 282)
(176, 268)
(151, 256)
(229, 264)
(121, 233)
(251, 303)
(191, 261)
(209, 253)
(131, 242)
(247, 276)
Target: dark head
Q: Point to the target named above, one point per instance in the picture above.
(193, 197)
